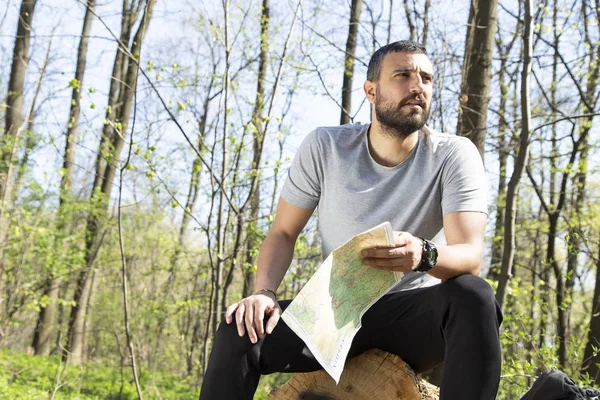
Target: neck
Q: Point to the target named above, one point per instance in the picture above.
(387, 148)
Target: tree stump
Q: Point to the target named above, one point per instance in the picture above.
(374, 375)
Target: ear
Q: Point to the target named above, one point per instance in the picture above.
(370, 89)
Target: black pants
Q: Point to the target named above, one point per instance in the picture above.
(455, 322)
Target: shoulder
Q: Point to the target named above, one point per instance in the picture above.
(447, 145)
(338, 136)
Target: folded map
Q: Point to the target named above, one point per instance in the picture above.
(327, 312)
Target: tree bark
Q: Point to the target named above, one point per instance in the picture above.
(503, 152)
(477, 72)
(591, 358)
(375, 375)
(13, 119)
(426, 22)
(409, 21)
(591, 355)
(346, 112)
(217, 270)
(128, 18)
(45, 325)
(520, 162)
(252, 235)
(94, 229)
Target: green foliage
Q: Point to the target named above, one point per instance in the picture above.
(525, 353)
(36, 377)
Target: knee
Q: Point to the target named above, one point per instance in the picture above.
(227, 339)
(472, 294)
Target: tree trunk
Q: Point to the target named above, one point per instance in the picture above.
(217, 270)
(252, 234)
(574, 237)
(503, 152)
(561, 323)
(374, 375)
(591, 355)
(126, 99)
(477, 72)
(409, 21)
(426, 22)
(128, 19)
(13, 119)
(77, 320)
(591, 358)
(520, 162)
(42, 338)
(94, 229)
(346, 112)
(73, 124)
(45, 325)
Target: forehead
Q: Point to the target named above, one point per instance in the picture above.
(401, 60)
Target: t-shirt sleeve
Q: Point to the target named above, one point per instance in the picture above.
(464, 183)
(302, 187)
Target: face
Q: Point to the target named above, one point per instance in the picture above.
(402, 95)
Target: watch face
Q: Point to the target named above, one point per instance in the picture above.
(431, 254)
(430, 258)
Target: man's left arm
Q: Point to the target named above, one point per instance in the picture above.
(463, 253)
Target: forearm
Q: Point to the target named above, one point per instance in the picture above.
(274, 259)
(457, 259)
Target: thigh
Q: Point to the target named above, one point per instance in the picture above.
(284, 351)
(408, 324)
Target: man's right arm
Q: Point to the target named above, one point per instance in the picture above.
(274, 259)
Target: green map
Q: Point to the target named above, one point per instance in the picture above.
(326, 313)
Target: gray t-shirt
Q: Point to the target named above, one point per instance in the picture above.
(334, 170)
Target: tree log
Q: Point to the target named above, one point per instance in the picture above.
(374, 375)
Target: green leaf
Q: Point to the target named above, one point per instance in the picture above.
(74, 83)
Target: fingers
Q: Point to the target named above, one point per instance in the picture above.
(401, 239)
(230, 310)
(239, 318)
(391, 264)
(249, 320)
(259, 312)
(403, 257)
(274, 318)
(250, 314)
(393, 252)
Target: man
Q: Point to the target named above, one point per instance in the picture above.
(394, 169)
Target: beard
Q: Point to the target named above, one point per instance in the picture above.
(397, 123)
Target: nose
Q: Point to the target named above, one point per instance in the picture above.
(416, 84)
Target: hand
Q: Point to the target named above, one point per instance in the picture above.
(250, 312)
(405, 256)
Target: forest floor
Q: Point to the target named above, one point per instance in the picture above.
(23, 376)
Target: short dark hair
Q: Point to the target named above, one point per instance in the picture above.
(401, 46)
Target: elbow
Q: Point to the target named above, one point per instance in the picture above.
(478, 260)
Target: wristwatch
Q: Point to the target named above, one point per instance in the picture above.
(429, 257)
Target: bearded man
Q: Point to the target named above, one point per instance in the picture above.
(432, 188)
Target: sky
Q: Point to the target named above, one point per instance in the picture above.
(172, 39)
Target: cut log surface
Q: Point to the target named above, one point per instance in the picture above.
(374, 375)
